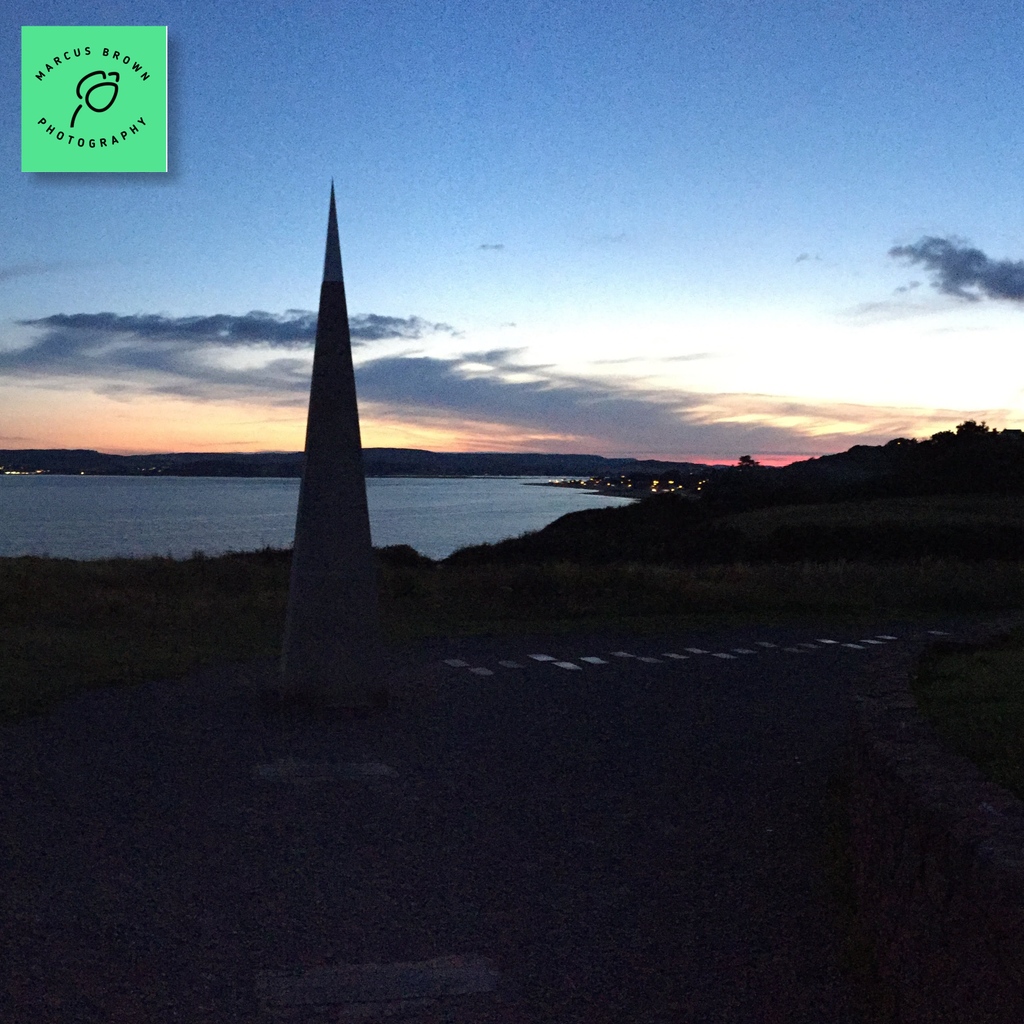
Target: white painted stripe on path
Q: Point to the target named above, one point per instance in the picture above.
(743, 650)
(481, 672)
(764, 643)
(694, 650)
(622, 654)
(939, 632)
(568, 664)
(885, 636)
(828, 641)
(374, 990)
(722, 655)
(456, 662)
(594, 661)
(877, 643)
(541, 657)
(856, 647)
(677, 657)
(794, 650)
(292, 770)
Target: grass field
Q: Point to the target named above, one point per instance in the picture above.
(936, 511)
(68, 625)
(975, 700)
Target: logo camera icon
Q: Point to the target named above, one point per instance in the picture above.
(105, 89)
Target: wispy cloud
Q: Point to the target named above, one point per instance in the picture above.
(9, 273)
(964, 272)
(295, 328)
(266, 359)
(196, 357)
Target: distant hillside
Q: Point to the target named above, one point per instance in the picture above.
(973, 459)
(959, 494)
(377, 461)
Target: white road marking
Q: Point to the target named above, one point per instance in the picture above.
(694, 650)
(541, 657)
(376, 990)
(884, 636)
(721, 655)
(293, 770)
(594, 661)
(856, 647)
(568, 664)
(793, 650)
(510, 664)
(481, 672)
(678, 657)
(743, 650)
(622, 654)
(810, 647)
(828, 641)
(650, 661)
(877, 643)
(456, 662)
(764, 643)
(939, 632)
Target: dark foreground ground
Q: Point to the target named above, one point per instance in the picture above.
(634, 841)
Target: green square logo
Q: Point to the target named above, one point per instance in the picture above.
(93, 98)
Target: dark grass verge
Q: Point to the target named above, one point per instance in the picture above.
(974, 698)
(67, 626)
(877, 998)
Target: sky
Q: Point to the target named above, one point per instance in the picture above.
(690, 230)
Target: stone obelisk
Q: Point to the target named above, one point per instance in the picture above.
(332, 632)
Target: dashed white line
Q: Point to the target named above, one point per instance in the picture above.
(799, 648)
(939, 632)
(291, 770)
(374, 990)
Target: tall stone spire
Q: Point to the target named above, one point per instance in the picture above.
(332, 631)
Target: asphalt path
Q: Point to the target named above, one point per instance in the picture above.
(622, 840)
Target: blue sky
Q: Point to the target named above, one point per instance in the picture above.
(627, 228)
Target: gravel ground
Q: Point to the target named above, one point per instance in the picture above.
(633, 841)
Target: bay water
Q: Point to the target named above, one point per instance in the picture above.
(86, 517)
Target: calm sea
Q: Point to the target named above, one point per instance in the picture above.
(106, 516)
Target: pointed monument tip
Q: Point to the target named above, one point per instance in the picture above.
(332, 256)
